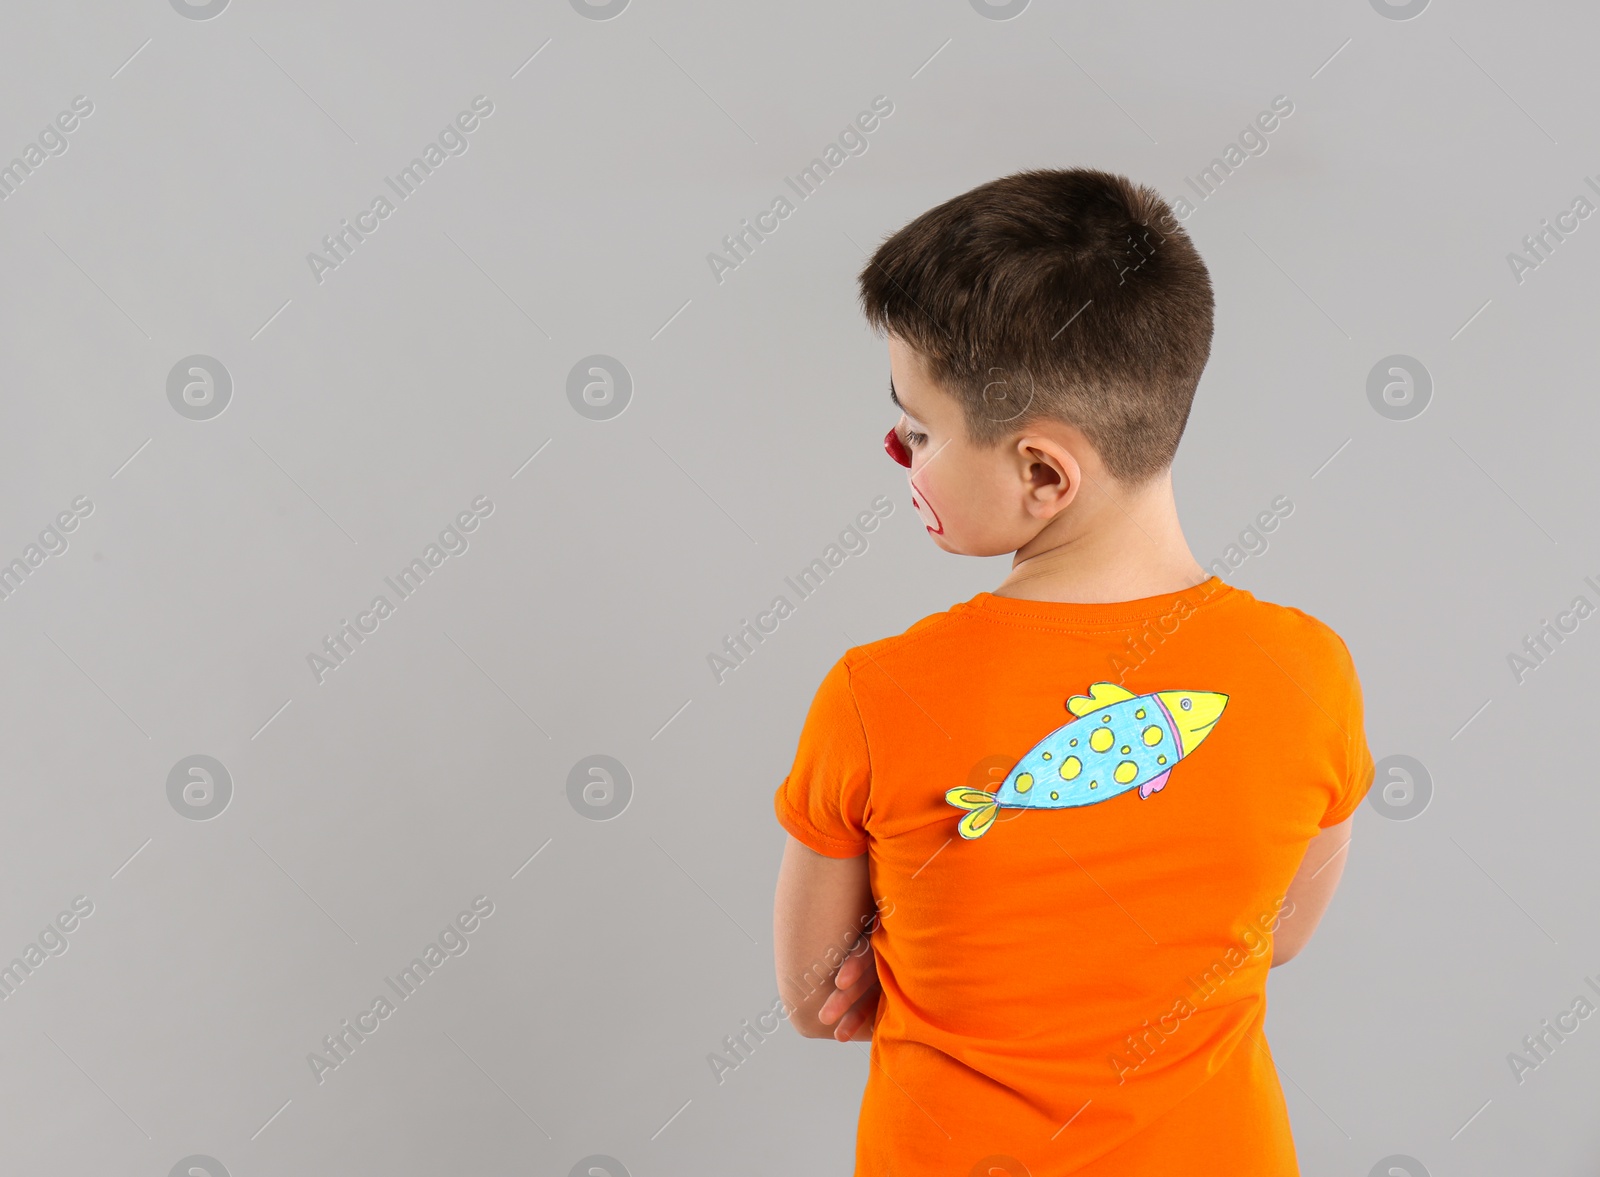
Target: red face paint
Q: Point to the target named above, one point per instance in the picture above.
(930, 517)
(896, 448)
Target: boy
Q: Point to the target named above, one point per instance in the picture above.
(1077, 819)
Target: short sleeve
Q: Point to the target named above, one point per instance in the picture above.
(1357, 767)
(823, 800)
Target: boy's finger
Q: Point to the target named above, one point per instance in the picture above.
(863, 1032)
(850, 994)
(862, 959)
(847, 973)
(840, 1000)
(834, 1007)
(860, 1015)
(853, 968)
(849, 1025)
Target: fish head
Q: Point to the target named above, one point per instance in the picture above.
(1194, 713)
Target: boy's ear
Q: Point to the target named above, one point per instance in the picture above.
(1050, 474)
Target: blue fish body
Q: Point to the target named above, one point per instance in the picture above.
(1063, 769)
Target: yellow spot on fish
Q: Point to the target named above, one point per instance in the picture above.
(1125, 772)
(1105, 719)
(1046, 755)
(1071, 767)
(1125, 749)
(1054, 796)
(1094, 784)
(1161, 759)
(1139, 714)
(1152, 735)
(1102, 739)
(1024, 782)
(1072, 743)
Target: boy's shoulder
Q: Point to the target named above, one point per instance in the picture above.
(1292, 622)
(912, 638)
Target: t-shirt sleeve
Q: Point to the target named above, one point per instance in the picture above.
(1357, 766)
(823, 800)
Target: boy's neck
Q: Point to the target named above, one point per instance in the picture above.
(1109, 545)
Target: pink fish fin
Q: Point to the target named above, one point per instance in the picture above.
(1154, 785)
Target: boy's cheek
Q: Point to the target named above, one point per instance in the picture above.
(968, 529)
(954, 514)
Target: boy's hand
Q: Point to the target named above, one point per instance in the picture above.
(854, 1002)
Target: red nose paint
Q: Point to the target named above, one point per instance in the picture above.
(896, 448)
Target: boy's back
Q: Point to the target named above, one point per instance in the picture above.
(1074, 944)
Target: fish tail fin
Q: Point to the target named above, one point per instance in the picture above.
(981, 809)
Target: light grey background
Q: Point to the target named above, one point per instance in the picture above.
(431, 366)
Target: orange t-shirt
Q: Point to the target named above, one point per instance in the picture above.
(1073, 945)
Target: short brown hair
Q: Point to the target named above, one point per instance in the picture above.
(1069, 294)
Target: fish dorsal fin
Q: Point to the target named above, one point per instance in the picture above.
(1101, 694)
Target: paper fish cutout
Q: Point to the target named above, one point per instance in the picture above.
(1116, 742)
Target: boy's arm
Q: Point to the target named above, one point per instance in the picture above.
(1311, 889)
(824, 906)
